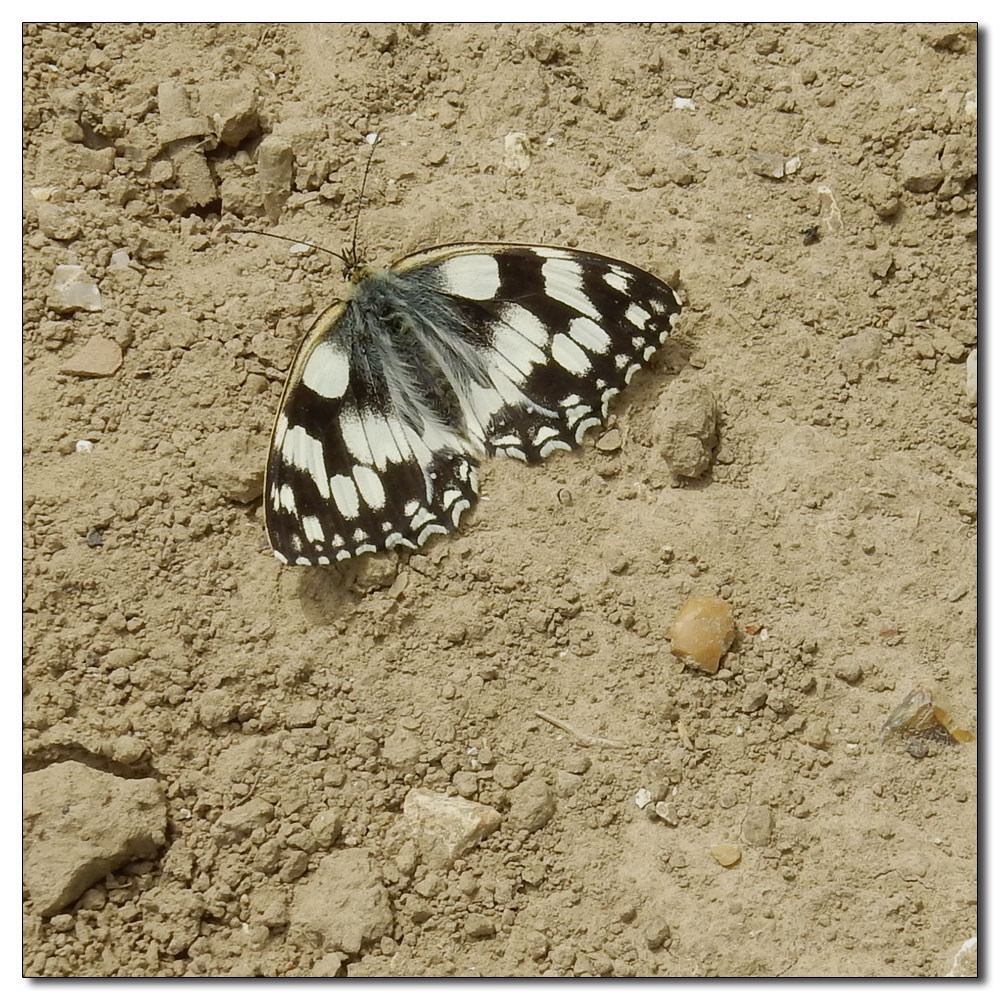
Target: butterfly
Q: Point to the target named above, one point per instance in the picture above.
(449, 355)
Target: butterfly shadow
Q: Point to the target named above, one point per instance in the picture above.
(328, 594)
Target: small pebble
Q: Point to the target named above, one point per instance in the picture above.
(656, 933)
(972, 377)
(71, 290)
(100, 356)
(611, 441)
(479, 926)
(703, 631)
(726, 854)
(766, 164)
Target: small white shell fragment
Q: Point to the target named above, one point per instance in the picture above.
(84, 447)
(71, 289)
(516, 152)
(667, 811)
(792, 164)
(120, 259)
(643, 798)
(683, 104)
(972, 377)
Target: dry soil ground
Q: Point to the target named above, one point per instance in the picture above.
(218, 748)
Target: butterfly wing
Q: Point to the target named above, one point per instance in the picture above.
(351, 469)
(453, 353)
(561, 332)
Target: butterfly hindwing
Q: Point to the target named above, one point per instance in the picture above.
(451, 354)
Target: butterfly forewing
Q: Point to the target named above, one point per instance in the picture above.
(453, 353)
(568, 329)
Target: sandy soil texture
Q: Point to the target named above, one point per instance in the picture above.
(236, 768)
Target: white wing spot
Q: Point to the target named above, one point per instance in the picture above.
(584, 425)
(519, 349)
(564, 282)
(470, 275)
(345, 496)
(327, 372)
(570, 355)
(421, 518)
(637, 316)
(588, 334)
(313, 528)
(352, 430)
(525, 323)
(431, 529)
(550, 446)
(456, 512)
(370, 486)
(553, 253)
(286, 495)
(543, 434)
(301, 449)
(617, 280)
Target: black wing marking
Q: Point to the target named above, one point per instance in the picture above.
(568, 329)
(350, 470)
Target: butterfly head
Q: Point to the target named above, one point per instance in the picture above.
(355, 269)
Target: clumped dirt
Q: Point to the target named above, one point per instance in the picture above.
(811, 190)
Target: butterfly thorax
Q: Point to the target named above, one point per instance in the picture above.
(355, 272)
(398, 340)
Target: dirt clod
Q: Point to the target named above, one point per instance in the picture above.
(81, 825)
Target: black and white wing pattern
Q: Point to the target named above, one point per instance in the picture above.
(449, 355)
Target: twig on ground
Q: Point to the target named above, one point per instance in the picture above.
(581, 739)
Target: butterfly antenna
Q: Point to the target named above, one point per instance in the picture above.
(301, 243)
(371, 139)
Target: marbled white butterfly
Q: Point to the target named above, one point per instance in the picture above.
(450, 354)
